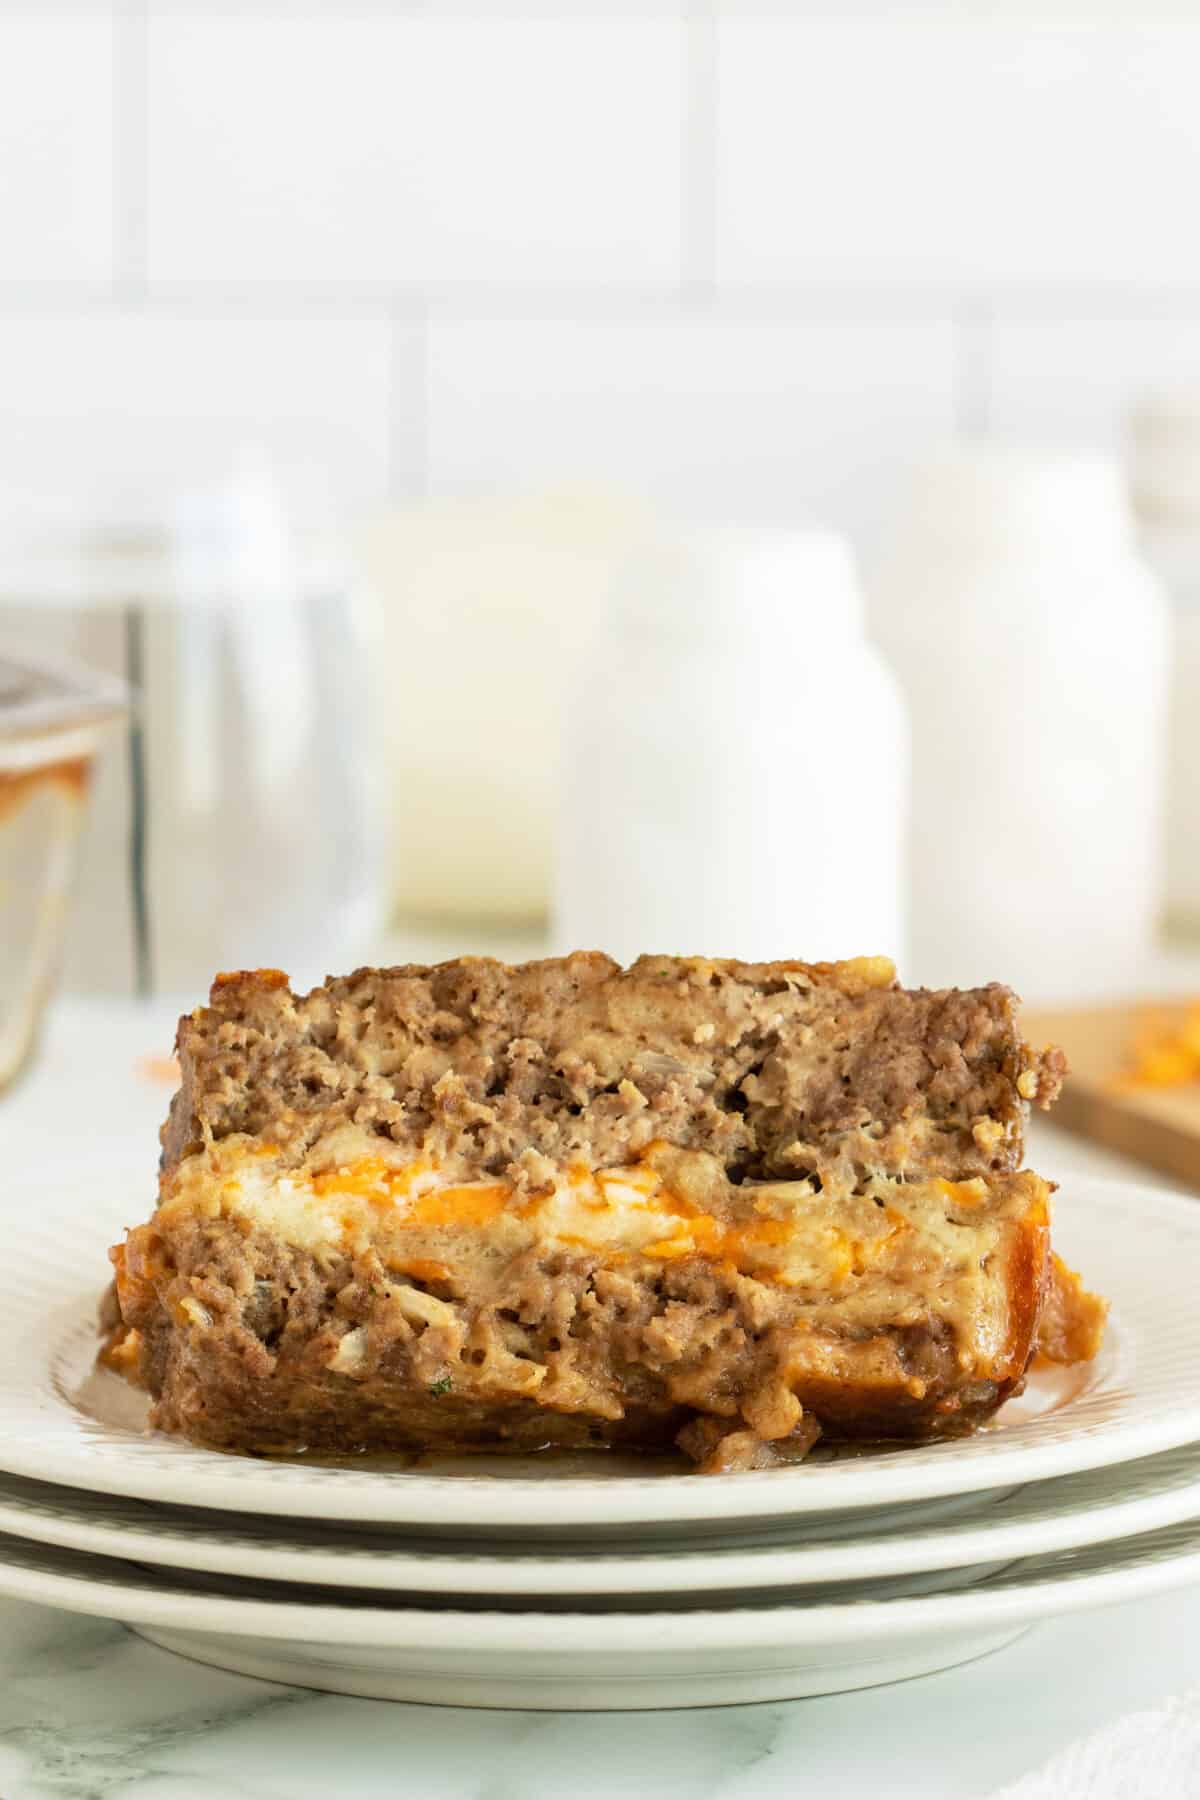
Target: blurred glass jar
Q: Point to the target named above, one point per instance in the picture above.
(242, 828)
(489, 605)
(53, 720)
(1032, 645)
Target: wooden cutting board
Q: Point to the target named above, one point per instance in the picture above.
(1159, 1126)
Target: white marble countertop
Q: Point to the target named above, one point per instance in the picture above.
(90, 1712)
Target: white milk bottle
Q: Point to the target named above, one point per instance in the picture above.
(735, 760)
(1032, 646)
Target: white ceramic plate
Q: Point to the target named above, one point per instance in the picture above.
(1075, 1510)
(614, 1655)
(1138, 1246)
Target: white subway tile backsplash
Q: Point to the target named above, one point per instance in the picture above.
(115, 412)
(290, 9)
(744, 419)
(920, 148)
(552, 181)
(56, 146)
(1075, 380)
(360, 147)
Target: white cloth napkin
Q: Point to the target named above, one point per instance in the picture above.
(1153, 1755)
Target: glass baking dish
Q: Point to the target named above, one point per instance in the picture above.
(54, 717)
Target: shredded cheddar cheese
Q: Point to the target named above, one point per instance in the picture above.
(1165, 1053)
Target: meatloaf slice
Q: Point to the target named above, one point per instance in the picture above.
(775, 1069)
(719, 1203)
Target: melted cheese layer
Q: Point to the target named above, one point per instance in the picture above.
(786, 1233)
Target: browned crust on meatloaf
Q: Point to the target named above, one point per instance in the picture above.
(777, 1069)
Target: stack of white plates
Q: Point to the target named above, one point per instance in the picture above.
(598, 1581)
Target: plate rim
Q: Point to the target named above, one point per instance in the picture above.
(528, 1632)
(675, 1566)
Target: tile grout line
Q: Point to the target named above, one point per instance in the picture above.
(698, 166)
(857, 302)
(130, 150)
(852, 303)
